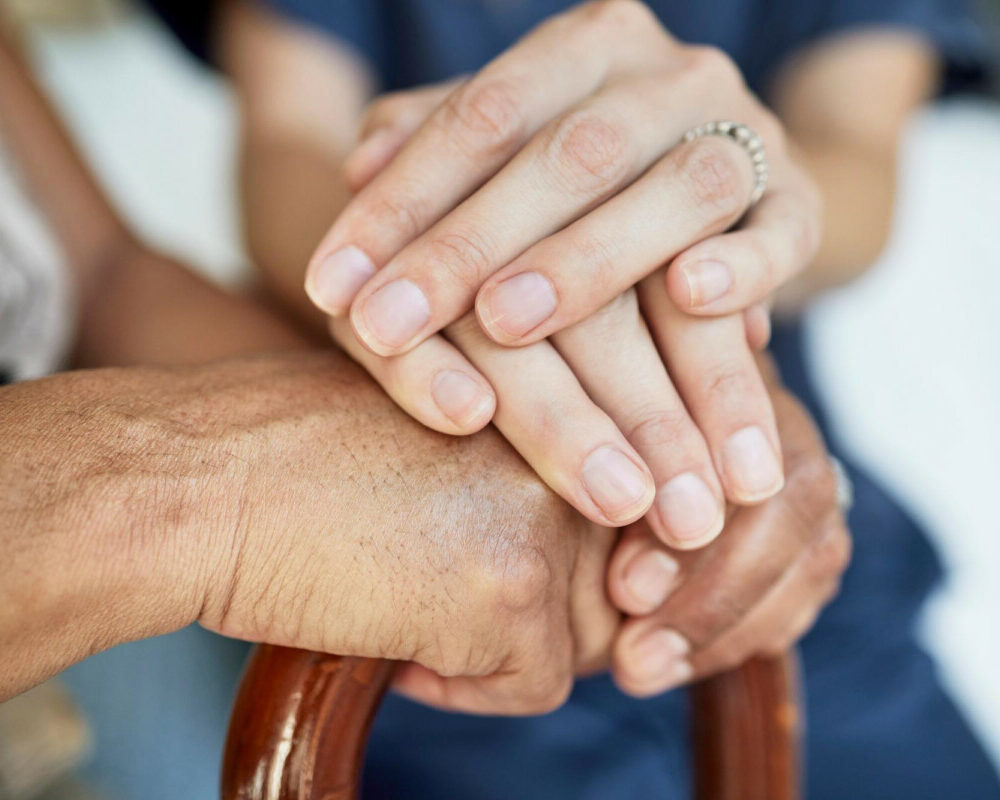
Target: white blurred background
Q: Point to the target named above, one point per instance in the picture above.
(908, 358)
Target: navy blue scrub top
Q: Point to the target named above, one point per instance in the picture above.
(409, 42)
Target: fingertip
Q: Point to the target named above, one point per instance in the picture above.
(651, 662)
(391, 320)
(688, 513)
(510, 311)
(333, 279)
(469, 403)
(620, 486)
(678, 287)
(646, 581)
(752, 466)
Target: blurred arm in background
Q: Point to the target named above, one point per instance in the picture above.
(844, 102)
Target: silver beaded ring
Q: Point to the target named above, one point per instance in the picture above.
(748, 140)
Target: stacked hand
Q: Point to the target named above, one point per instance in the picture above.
(538, 247)
(533, 246)
(450, 554)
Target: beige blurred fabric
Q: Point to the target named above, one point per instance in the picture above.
(62, 12)
(36, 296)
(43, 738)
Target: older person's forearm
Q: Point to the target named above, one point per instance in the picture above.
(103, 516)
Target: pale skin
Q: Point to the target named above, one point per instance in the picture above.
(303, 96)
(284, 498)
(558, 158)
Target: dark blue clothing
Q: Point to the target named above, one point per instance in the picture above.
(422, 41)
(879, 724)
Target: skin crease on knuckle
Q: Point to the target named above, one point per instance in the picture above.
(483, 118)
(589, 156)
(396, 217)
(464, 257)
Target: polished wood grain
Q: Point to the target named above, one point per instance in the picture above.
(300, 724)
(746, 727)
(301, 721)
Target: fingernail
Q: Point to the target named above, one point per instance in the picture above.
(688, 510)
(707, 281)
(650, 577)
(751, 465)
(522, 303)
(459, 397)
(334, 281)
(616, 484)
(655, 655)
(395, 314)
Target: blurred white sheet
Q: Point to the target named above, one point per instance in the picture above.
(909, 362)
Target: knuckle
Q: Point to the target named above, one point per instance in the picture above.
(714, 65)
(603, 257)
(590, 155)
(716, 611)
(714, 177)
(401, 214)
(548, 690)
(620, 315)
(484, 117)
(618, 14)
(726, 382)
(658, 427)
(464, 256)
(451, 661)
(515, 576)
(811, 490)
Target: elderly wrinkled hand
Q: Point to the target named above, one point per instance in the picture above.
(349, 528)
(755, 590)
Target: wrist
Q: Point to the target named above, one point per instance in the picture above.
(107, 519)
(151, 497)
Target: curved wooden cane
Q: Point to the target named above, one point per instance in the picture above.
(300, 725)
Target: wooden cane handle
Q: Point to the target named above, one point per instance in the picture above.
(301, 720)
(300, 725)
(746, 727)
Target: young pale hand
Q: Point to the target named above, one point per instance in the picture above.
(546, 178)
